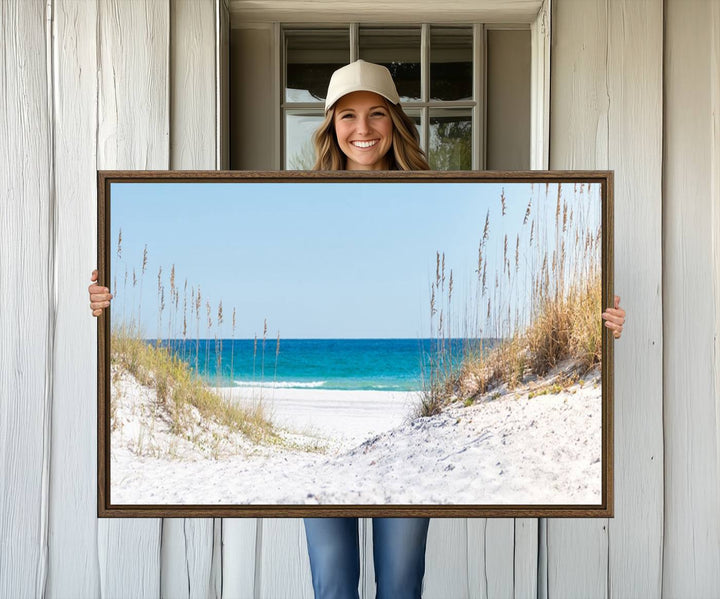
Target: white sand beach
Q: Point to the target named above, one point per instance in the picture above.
(508, 448)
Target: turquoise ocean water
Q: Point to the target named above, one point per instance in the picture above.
(352, 364)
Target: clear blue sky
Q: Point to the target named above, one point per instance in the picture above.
(317, 260)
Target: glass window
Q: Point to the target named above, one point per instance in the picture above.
(435, 71)
(299, 148)
(399, 51)
(450, 146)
(310, 59)
(451, 63)
(416, 116)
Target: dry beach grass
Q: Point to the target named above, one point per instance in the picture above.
(563, 321)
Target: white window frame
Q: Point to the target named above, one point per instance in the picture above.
(539, 26)
(475, 106)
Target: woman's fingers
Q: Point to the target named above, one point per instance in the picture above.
(615, 316)
(99, 296)
(615, 328)
(614, 323)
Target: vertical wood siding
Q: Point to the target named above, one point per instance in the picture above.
(451, 548)
(134, 85)
(73, 553)
(692, 401)
(577, 550)
(282, 566)
(635, 535)
(133, 123)
(607, 113)
(239, 557)
(27, 310)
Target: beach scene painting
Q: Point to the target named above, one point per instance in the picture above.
(377, 343)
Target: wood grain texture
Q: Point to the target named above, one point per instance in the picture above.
(73, 562)
(577, 558)
(491, 556)
(282, 567)
(189, 565)
(239, 557)
(129, 558)
(691, 401)
(193, 113)
(26, 301)
(635, 534)
(133, 79)
(577, 550)
(526, 545)
(187, 554)
(447, 559)
(133, 131)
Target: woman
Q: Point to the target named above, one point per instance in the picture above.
(365, 129)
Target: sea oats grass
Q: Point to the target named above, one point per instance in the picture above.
(178, 389)
(562, 325)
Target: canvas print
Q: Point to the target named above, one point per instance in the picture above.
(321, 343)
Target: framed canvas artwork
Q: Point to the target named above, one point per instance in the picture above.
(355, 344)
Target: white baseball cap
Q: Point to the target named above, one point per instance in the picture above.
(361, 76)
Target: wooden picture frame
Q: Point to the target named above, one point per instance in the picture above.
(512, 359)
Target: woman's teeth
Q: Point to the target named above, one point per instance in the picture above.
(364, 144)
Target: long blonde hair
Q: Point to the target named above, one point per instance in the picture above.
(405, 153)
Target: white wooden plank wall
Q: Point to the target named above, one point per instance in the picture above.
(606, 112)
(634, 86)
(239, 557)
(451, 546)
(73, 553)
(282, 566)
(27, 311)
(133, 131)
(692, 401)
(577, 550)
(134, 85)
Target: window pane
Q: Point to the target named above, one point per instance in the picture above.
(299, 149)
(451, 56)
(398, 50)
(414, 115)
(311, 58)
(450, 140)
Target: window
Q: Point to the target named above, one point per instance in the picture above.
(466, 86)
(434, 67)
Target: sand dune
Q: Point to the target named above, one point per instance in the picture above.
(509, 449)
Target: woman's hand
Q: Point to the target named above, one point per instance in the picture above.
(615, 318)
(99, 296)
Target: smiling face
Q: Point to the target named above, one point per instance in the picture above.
(364, 130)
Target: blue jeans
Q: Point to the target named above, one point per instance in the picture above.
(398, 553)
